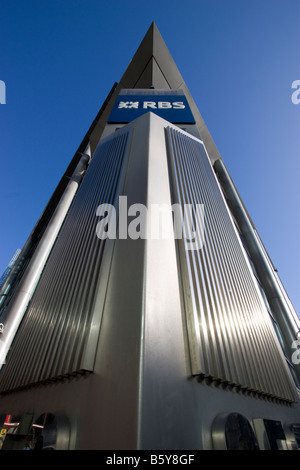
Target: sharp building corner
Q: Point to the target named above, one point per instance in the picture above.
(143, 311)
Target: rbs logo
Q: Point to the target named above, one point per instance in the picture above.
(151, 105)
(171, 107)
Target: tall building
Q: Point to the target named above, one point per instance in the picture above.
(144, 311)
(9, 267)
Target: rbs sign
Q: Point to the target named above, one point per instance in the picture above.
(151, 105)
(173, 108)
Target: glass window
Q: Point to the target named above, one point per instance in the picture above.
(239, 433)
(296, 430)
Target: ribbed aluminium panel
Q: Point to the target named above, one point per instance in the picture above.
(54, 339)
(231, 337)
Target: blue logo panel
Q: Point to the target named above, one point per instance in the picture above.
(173, 108)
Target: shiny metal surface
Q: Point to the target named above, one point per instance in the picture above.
(142, 393)
(55, 336)
(17, 307)
(279, 302)
(230, 332)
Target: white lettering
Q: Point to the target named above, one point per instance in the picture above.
(123, 217)
(172, 459)
(296, 94)
(2, 92)
(160, 218)
(138, 227)
(128, 104)
(296, 354)
(164, 105)
(106, 228)
(117, 460)
(123, 104)
(157, 222)
(149, 104)
(154, 105)
(178, 105)
(193, 226)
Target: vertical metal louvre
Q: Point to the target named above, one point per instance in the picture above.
(231, 338)
(53, 338)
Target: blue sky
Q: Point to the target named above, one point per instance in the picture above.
(59, 59)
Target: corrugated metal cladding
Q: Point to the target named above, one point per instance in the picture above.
(53, 340)
(231, 338)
